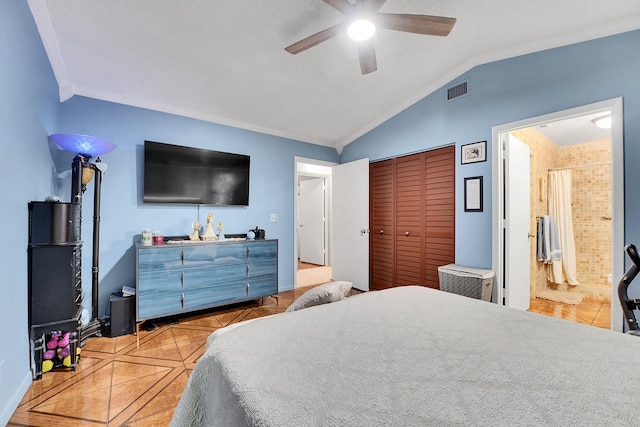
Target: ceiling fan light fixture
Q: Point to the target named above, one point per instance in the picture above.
(361, 18)
(361, 29)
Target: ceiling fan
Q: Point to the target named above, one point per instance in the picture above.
(364, 16)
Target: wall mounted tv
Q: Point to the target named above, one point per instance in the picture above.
(194, 176)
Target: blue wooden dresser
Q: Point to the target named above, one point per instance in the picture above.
(179, 278)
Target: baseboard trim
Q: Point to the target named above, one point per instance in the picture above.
(11, 405)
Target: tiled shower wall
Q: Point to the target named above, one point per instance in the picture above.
(591, 207)
(591, 200)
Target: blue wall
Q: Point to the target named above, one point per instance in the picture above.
(28, 109)
(507, 91)
(123, 215)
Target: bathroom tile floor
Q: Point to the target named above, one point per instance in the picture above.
(593, 313)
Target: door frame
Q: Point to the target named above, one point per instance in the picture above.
(305, 167)
(316, 202)
(614, 105)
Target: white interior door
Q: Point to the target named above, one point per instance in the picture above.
(350, 216)
(517, 222)
(311, 226)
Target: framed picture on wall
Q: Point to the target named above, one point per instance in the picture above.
(475, 152)
(473, 194)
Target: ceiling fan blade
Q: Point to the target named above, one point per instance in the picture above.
(374, 5)
(367, 55)
(419, 24)
(342, 5)
(314, 39)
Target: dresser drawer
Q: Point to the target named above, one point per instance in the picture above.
(163, 257)
(169, 303)
(262, 286)
(262, 268)
(261, 251)
(177, 279)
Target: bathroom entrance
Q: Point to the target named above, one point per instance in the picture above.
(575, 183)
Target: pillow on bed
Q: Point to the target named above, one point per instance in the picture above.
(329, 292)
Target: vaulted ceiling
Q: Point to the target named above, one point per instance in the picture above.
(224, 61)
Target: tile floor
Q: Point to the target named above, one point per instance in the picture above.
(119, 384)
(593, 313)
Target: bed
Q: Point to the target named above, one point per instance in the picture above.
(413, 356)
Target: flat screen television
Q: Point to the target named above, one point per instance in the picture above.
(194, 176)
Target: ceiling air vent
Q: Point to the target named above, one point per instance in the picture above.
(456, 91)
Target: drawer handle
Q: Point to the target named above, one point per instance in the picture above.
(248, 288)
(248, 252)
(182, 279)
(406, 233)
(248, 270)
(182, 300)
(381, 231)
(182, 257)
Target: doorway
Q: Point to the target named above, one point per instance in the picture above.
(312, 235)
(346, 227)
(312, 223)
(598, 224)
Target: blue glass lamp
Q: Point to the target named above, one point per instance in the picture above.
(88, 146)
(81, 173)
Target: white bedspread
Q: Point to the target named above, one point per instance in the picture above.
(414, 356)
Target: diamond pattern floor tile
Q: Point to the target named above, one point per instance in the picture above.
(118, 383)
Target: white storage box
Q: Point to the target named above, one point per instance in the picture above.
(468, 281)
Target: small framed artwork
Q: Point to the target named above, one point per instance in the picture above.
(472, 153)
(473, 194)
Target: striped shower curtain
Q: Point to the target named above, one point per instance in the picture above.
(560, 208)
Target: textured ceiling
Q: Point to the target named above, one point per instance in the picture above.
(224, 61)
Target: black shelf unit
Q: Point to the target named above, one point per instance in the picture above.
(55, 279)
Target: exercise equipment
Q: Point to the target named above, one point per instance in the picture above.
(628, 304)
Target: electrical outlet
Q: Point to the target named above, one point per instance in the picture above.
(274, 218)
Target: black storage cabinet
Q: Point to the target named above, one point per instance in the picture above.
(55, 280)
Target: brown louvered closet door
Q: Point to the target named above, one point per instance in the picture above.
(409, 195)
(381, 212)
(439, 213)
(412, 218)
